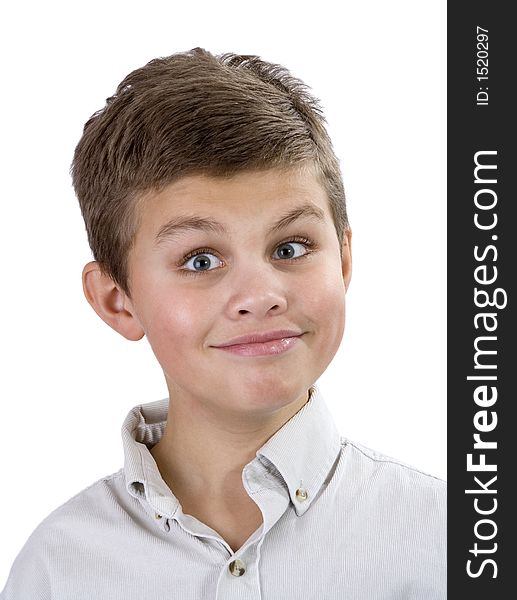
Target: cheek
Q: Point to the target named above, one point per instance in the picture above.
(332, 308)
(326, 306)
(325, 292)
(178, 316)
(171, 316)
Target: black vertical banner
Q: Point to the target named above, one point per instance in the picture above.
(482, 270)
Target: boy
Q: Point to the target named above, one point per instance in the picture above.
(215, 211)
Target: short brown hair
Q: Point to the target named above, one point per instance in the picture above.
(194, 113)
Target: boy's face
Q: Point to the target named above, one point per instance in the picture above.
(246, 280)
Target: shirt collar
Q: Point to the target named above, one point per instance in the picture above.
(304, 450)
(302, 453)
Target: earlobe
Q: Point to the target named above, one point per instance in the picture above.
(346, 260)
(110, 302)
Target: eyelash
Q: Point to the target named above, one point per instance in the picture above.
(298, 239)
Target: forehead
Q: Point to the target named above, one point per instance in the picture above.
(251, 199)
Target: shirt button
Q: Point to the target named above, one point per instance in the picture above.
(301, 494)
(237, 567)
(157, 516)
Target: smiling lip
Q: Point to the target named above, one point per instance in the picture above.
(259, 344)
(256, 338)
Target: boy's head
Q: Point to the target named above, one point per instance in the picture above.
(214, 207)
(193, 113)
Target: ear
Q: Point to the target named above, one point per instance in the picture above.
(110, 302)
(346, 261)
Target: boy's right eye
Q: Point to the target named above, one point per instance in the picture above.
(201, 260)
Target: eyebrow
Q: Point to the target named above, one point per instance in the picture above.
(180, 224)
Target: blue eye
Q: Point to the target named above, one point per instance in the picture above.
(286, 250)
(202, 261)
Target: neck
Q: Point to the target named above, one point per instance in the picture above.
(202, 455)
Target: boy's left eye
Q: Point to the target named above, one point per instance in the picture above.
(286, 250)
(201, 260)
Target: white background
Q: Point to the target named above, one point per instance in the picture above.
(67, 379)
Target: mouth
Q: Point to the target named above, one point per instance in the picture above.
(262, 348)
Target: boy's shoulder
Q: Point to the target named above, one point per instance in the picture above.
(402, 504)
(88, 497)
(84, 515)
(388, 473)
(88, 507)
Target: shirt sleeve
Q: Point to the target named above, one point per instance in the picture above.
(29, 577)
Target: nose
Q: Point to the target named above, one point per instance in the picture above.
(257, 292)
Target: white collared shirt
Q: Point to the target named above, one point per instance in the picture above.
(340, 522)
